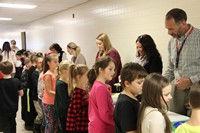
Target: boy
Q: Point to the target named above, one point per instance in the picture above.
(193, 125)
(10, 90)
(127, 106)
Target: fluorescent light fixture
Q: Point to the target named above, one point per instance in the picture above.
(23, 6)
(5, 19)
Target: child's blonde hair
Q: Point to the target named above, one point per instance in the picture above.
(64, 65)
(74, 71)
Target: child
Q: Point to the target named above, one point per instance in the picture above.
(35, 77)
(156, 94)
(25, 98)
(100, 102)
(50, 66)
(127, 106)
(62, 97)
(77, 117)
(193, 125)
(9, 95)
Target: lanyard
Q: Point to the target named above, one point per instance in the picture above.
(178, 51)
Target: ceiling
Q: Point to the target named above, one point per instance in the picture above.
(44, 8)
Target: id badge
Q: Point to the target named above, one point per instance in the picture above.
(177, 75)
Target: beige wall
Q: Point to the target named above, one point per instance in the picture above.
(122, 20)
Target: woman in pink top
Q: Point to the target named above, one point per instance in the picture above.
(100, 102)
(50, 65)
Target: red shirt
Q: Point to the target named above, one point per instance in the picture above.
(77, 117)
(1, 75)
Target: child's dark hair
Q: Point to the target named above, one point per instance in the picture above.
(74, 71)
(151, 96)
(94, 72)
(194, 96)
(6, 67)
(1, 57)
(48, 58)
(132, 71)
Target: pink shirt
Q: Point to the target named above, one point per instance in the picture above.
(100, 109)
(49, 99)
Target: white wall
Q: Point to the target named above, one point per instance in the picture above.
(122, 20)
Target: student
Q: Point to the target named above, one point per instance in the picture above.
(9, 95)
(101, 107)
(77, 116)
(31, 112)
(62, 97)
(193, 125)
(127, 106)
(35, 76)
(156, 94)
(25, 101)
(50, 66)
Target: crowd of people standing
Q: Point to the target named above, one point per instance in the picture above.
(61, 95)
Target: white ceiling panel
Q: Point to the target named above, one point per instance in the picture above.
(44, 8)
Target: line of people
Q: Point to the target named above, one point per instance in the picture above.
(76, 99)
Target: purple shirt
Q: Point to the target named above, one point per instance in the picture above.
(100, 109)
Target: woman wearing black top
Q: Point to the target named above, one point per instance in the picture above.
(148, 55)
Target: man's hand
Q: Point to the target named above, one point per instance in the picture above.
(183, 83)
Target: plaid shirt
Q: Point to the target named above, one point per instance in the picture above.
(77, 118)
(189, 58)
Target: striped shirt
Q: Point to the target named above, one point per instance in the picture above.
(189, 58)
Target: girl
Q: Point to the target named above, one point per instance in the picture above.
(127, 106)
(100, 102)
(50, 66)
(77, 117)
(62, 97)
(153, 114)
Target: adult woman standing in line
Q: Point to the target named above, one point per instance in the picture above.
(75, 50)
(55, 48)
(106, 49)
(148, 55)
(9, 55)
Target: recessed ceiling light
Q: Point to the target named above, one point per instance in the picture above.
(23, 6)
(5, 19)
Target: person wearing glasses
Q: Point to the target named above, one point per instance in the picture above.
(184, 58)
(148, 55)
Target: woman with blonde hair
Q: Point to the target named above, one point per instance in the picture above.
(75, 50)
(106, 49)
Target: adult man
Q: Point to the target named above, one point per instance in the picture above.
(184, 58)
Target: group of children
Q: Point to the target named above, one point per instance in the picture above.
(77, 100)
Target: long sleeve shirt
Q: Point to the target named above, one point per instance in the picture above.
(189, 58)
(101, 109)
